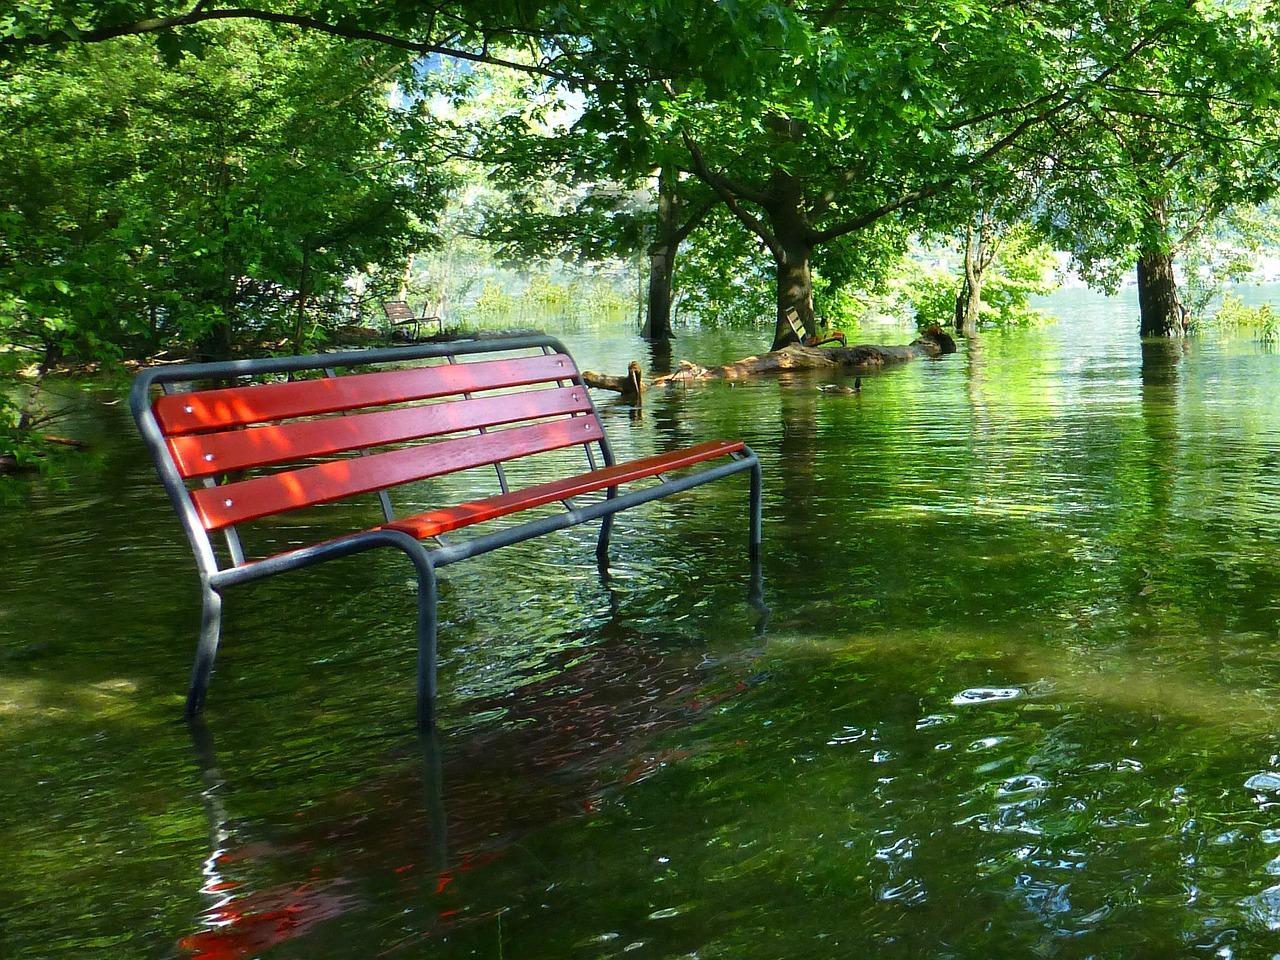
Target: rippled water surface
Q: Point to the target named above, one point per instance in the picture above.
(1018, 694)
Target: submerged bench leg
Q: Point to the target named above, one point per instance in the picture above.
(210, 630)
(606, 529)
(756, 590)
(757, 508)
(426, 647)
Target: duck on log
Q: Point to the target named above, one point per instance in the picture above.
(863, 357)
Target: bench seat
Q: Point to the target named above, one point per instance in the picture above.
(433, 523)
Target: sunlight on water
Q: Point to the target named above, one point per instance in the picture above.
(1016, 694)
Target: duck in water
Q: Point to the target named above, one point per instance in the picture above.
(841, 388)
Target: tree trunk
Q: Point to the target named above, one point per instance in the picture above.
(662, 258)
(969, 300)
(406, 275)
(1163, 314)
(220, 338)
(657, 323)
(639, 292)
(795, 294)
(29, 416)
(300, 321)
(631, 386)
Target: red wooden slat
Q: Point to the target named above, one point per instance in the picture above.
(205, 454)
(245, 500)
(436, 522)
(240, 406)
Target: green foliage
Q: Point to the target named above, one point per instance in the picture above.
(1177, 136)
(931, 294)
(18, 446)
(1024, 267)
(541, 298)
(724, 278)
(150, 206)
(1261, 321)
(270, 167)
(1226, 252)
(494, 300)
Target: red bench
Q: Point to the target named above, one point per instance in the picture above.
(488, 402)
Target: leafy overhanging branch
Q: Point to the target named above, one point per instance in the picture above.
(201, 14)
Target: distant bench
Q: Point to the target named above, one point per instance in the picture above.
(203, 441)
(400, 314)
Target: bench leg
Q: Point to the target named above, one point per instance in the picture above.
(606, 529)
(757, 508)
(426, 648)
(210, 630)
(756, 590)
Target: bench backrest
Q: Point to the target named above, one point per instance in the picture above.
(398, 311)
(200, 435)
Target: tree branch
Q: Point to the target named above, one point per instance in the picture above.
(695, 218)
(723, 188)
(198, 14)
(975, 162)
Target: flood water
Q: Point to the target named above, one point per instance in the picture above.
(1018, 693)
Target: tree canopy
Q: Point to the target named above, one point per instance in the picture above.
(830, 134)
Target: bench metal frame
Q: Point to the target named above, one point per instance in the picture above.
(388, 308)
(214, 579)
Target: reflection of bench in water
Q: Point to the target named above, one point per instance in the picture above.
(588, 730)
(400, 314)
(245, 918)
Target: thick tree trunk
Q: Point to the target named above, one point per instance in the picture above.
(657, 321)
(662, 258)
(1163, 314)
(222, 341)
(795, 293)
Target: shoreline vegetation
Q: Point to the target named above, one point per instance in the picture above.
(211, 182)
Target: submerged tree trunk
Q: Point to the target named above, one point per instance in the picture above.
(969, 300)
(662, 264)
(1161, 309)
(678, 216)
(631, 385)
(1162, 312)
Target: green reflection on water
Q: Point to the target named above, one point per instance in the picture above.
(1020, 665)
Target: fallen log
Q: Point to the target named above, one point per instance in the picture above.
(65, 441)
(631, 386)
(861, 358)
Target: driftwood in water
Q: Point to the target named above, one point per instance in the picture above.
(862, 358)
(631, 386)
(65, 441)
